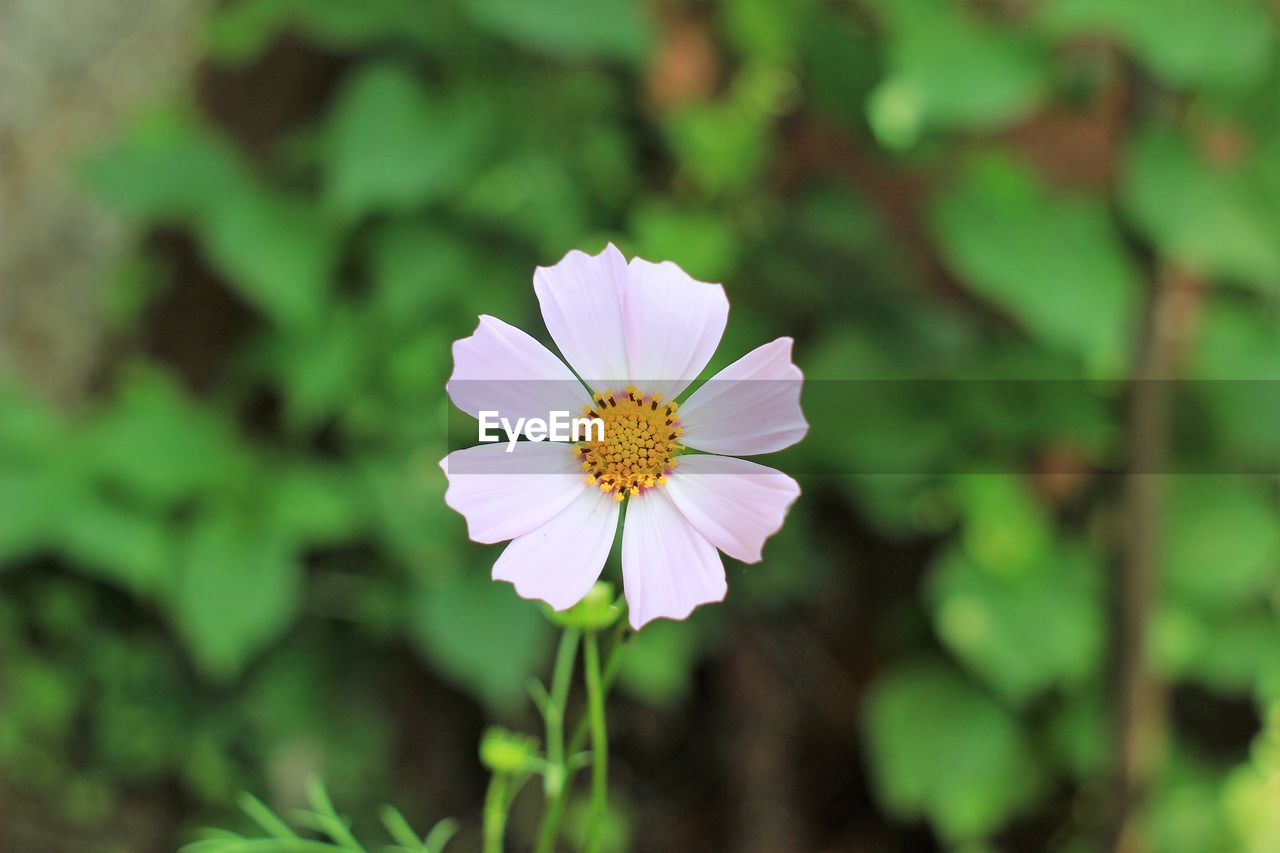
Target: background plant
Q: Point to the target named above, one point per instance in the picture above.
(233, 568)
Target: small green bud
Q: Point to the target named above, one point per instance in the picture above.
(507, 752)
(596, 611)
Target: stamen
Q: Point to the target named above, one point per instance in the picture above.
(639, 443)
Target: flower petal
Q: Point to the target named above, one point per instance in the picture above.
(668, 568)
(502, 369)
(735, 504)
(581, 299)
(752, 406)
(558, 562)
(673, 325)
(504, 495)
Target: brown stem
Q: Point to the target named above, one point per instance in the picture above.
(1141, 695)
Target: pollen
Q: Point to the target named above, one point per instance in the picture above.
(641, 439)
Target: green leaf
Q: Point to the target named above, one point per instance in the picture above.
(1232, 653)
(130, 549)
(481, 635)
(724, 146)
(1239, 340)
(323, 368)
(659, 663)
(393, 146)
(1236, 362)
(241, 31)
(1224, 43)
(948, 70)
(238, 589)
(1055, 261)
(1026, 633)
(1222, 541)
(158, 446)
(168, 168)
(571, 29)
(1079, 732)
(1007, 532)
(31, 503)
(534, 196)
(315, 504)
(700, 241)
(942, 750)
(1208, 219)
(418, 271)
(278, 252)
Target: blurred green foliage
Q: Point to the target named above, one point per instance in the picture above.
(208, 574)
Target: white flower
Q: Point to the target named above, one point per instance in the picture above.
(637, 334)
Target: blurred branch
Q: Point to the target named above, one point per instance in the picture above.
(1142, 696)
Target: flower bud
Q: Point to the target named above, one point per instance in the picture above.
(507, 752)
(596, 611)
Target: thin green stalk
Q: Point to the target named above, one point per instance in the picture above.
(599, 742)
(561, 678)
(556, 779)
(496, 805)
(612, 664)
(554, 815)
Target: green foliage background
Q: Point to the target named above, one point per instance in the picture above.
(235, 568)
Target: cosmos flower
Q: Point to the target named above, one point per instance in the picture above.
(636, 334)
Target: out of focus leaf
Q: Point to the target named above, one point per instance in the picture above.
(533, 195)
(1186, 817)
(480, 635)
(32, 502)
(1229, 653)
(278, 251)
(941, 749)
(158, 446)
(130, 549)
(1236, 363)
(322, 368)
(1236, 652)
(168, 168)
(763, 28)
(240, 31)
(841, 63)
(659, 662)
(316, 505)
(394, 146)
(417, 270)
(1208, 219)
(723, 145)
(1239, 340)
(703, 241)
(1081, 734)
(1055, 261)
(1006, 531)
(1025, 633)
(1248, 795)
(609, 29)
(1222, 541)
(238, 588)
(1185, 42)
(948, 70)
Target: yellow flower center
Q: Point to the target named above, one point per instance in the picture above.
(640, 442)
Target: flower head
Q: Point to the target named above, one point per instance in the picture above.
(636, 335)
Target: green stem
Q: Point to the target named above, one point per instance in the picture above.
(611, 666)
(496, 804)
(556, 779)
(599, 742)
